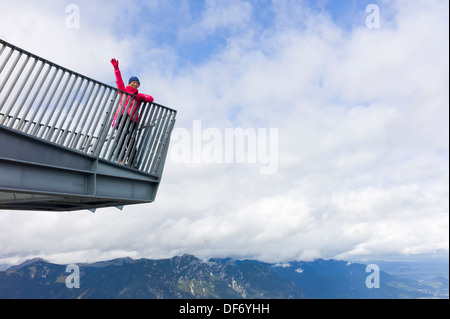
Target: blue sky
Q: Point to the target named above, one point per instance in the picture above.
(260, 18)
(361, 115)
(167, 22)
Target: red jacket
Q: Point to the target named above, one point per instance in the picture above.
(133, 108)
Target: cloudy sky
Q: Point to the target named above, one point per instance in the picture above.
(349, 109)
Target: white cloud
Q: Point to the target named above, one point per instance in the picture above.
(225, 14)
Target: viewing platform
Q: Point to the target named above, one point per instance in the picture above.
(59, 148)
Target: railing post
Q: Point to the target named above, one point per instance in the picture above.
(161, 156)
(104, 128)
(96, 119)
(9, 91)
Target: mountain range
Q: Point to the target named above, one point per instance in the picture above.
(188, 277)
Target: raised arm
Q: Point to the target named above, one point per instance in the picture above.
(119, 81)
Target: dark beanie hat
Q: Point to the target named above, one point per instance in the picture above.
(134, 78)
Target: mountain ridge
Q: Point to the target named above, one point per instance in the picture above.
(188, 277)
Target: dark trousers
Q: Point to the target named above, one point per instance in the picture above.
(125, 142)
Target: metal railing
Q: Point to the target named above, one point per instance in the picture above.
(42, 99)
